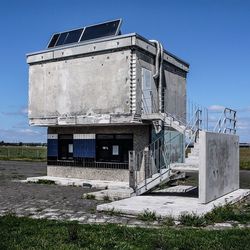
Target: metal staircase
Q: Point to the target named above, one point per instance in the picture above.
(152, 166)
(157, 164)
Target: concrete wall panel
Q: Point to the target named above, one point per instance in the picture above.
(219, 165)
(98, 84)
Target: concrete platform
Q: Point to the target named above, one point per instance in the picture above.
(98, 184)
(170, 205)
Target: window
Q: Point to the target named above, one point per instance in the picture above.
(113, 147)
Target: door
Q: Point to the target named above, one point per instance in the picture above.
(65, 147)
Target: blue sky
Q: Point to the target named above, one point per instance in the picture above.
(213, 36)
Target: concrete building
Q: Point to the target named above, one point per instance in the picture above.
(116, 109)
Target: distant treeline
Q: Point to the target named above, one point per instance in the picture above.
(30, 144)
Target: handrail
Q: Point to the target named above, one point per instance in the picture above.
(221, 125)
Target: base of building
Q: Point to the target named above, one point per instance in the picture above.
(103, 174)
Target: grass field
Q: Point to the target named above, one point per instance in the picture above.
(26, 153)
(25, 233)
(39, 153)
(245, 158)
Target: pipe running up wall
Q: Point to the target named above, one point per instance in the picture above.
(158, 70)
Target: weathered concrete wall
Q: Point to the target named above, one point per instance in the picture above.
(141, 133)
(173, 81)
(175, 91)
(219, 165)
(89, 173)
(98, 84)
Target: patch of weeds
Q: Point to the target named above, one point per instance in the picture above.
(112, 212)
(48, 182)
(90, 196)
(192, 220)
(106, 198)
(72, 232)
(147, 216)
(168, 221)
(228, 213)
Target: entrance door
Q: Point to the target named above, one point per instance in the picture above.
(146, 91)
(65, 147)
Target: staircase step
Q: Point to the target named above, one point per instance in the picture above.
(191, 162)
(176, 123)
(193, 158)
(196, 154)
(184, 167)
(195, 150)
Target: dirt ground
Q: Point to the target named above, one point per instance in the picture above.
(13, 194)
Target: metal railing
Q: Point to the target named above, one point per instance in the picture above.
(155, 159)
(226, 122)
(88, 164)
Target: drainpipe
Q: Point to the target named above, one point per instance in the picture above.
(158, 70)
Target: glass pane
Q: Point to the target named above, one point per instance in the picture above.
(100, 30)
(115, 150)
(61, 39)
(53, 40)
(73, 36)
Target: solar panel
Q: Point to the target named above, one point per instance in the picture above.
(101, 30)
(53, 40)
(111, 28)
(73, 36)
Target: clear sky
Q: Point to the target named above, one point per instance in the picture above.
(213, 36)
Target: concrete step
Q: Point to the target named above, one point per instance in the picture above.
(185, 167)
(191, 162)
(182, 127)
(192, 158)
(195, 151)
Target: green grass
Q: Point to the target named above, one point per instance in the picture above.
(147, 216)
(245, 158)
(48, 182)
(24, 153)
(25, 233)
(90, 196)
(238, 213)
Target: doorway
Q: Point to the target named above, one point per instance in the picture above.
(65, 147)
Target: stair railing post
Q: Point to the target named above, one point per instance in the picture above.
(132, 170)
(146, 165)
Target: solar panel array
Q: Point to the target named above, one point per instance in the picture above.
(111, 28)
